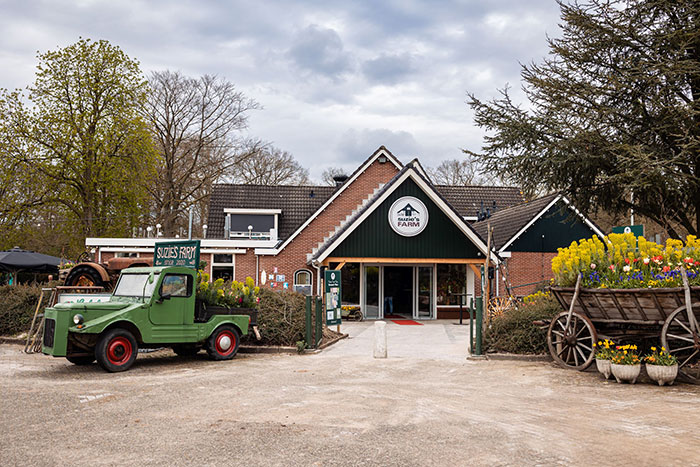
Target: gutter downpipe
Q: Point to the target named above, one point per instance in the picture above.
(317, 266)
(257, 268)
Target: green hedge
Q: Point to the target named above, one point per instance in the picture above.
(514, 331)
(281, 318)
(17, 305)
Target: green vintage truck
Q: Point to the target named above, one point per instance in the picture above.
(150, 307)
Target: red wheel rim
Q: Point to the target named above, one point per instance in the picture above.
(119, 351)
(225, 343)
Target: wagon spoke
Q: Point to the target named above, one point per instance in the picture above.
(576, 355)
(557, 342)
(562, 325)
(583, 356)
(583, 328)
(682, 338)
(562, 350)
(557, 333)
(585, 347)
(682, 325)
(682, 348)
(689, 358)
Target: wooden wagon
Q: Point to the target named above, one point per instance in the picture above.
(626, 315)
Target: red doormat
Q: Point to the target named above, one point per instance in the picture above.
(404, 321)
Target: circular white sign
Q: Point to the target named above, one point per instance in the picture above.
(408, 216)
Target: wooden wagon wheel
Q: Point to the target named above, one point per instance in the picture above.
(571, 345)
(681, 337)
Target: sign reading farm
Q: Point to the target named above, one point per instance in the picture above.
(184, 253)
(408, 216)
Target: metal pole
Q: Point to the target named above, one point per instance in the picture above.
(479, 320)
(308, 321)
(189, 232)
(471, 327)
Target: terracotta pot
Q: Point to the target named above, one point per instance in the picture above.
(626, 373)
(603, 367)
(662, 374)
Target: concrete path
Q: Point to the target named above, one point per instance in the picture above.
(433, 340)
(340, 407)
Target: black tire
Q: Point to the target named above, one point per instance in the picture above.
(186, 350)
(223, 343)
(116, 350)
(84, 275)
(82, 360)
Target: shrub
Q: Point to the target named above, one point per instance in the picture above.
(281, 318)
(17, 305)
(514, 331)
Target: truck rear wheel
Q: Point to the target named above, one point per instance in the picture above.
(116, 350)
(223, 343)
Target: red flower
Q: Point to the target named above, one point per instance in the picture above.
(627, 261)
(665, 269)
(612, 267)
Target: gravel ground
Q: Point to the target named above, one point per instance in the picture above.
(334, 409)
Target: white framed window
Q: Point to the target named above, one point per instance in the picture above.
(223, 267)
(302, 281)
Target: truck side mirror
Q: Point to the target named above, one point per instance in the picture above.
(167, 296)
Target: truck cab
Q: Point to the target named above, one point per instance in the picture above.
(150, 307)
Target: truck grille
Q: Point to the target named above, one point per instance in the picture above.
(49, 330)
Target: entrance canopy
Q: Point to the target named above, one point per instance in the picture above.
(18, 260)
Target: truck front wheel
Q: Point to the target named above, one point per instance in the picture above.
(223, 343)
(116, 350)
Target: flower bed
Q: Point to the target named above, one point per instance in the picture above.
(623, 261)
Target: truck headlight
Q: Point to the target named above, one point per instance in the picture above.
(78, 319)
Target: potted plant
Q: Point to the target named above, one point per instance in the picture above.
(603, 353)
(661, 366)
(625, 364)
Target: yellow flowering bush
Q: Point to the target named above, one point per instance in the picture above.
(625, 261)
(534, 297)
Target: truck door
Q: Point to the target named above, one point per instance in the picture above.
(174, 300)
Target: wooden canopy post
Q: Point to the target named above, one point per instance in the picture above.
(487, 282)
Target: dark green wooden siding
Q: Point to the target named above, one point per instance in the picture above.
(374, 238)
(556, 228)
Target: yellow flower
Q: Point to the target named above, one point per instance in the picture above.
(653, 349)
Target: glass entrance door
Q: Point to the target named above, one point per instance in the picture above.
(371, 288)
(424, 293)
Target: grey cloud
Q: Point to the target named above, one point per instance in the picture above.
(321, 51)
(356, 145)
(388, 69)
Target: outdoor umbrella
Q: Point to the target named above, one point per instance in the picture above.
(16, 260)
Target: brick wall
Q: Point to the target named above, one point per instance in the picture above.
(525, 268)
(293, 257)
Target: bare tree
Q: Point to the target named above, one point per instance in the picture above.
(196, 127)
(331, 172)
(270, 166)
(461, 172)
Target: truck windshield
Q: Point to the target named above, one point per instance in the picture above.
(132, 285)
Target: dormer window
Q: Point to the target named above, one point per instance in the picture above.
(251, 224)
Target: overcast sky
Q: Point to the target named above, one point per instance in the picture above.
(335, 79)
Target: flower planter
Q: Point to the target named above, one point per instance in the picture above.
(662, 374)
(626, 373)
(603, 367)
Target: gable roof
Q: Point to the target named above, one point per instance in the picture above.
(508, 224)
(296, 202)
(468, 200)
(409, 171)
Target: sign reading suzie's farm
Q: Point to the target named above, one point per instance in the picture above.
(185, 253)
(408, 216)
